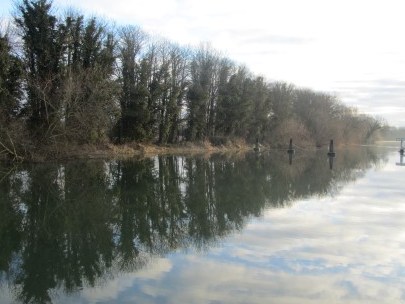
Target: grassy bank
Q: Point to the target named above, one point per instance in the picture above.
(120, 151)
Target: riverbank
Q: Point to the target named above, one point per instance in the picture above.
(107, 150)
(187, 148)
(120, 151)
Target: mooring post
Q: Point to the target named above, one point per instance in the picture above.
(331, 152)
(290, 147)
(401, 149)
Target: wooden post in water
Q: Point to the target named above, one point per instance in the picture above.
(401, 149)
(331, 152)
(290, 147)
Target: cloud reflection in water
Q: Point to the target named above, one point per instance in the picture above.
(349, 248)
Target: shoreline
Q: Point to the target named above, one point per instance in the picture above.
(123, 151)
(66, 152)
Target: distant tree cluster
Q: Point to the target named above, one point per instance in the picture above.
(80, 80)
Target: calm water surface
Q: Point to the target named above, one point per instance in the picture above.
(243, 229)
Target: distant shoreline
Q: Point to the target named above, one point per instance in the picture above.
(64, 152)
(123, 151)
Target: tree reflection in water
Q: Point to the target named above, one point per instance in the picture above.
(67, 226)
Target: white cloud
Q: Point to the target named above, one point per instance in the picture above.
(209, 281)
(113, 288)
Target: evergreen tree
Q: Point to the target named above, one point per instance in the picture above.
(235, 108)
(10, 82)
(131, 40)
(42, 52)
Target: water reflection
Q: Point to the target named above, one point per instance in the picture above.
(401, 160)
(331, 162)
(68, 226)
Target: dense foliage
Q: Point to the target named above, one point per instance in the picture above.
(79, 80)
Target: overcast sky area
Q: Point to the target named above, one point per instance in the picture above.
(352, 49)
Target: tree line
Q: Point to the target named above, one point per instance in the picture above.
(80, 80)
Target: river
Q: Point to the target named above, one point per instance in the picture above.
(250, 228)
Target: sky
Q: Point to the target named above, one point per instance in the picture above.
(354, 49)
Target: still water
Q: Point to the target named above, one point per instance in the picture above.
(221, 229)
